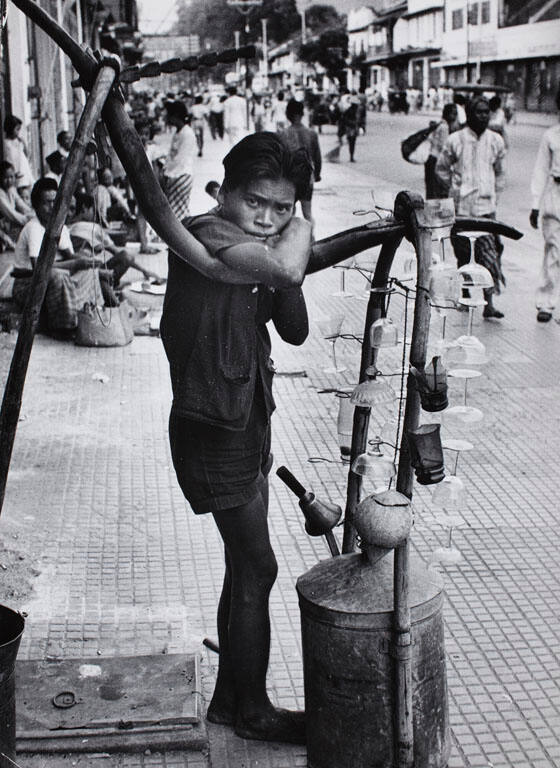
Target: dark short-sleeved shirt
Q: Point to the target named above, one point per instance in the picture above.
(215, 334)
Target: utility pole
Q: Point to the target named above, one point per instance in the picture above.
(245, 7)
(265, 51)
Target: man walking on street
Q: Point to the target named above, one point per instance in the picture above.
(471, 165)
(545, 192)
(235, 116)
(298, 137)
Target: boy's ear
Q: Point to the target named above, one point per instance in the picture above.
(220, 197)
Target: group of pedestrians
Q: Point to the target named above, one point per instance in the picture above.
(466, 162)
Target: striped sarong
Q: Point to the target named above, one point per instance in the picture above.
(178, 190)
(66, 295)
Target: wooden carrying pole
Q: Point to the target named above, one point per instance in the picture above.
(403, 720)
(11, 403)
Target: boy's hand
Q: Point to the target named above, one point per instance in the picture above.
(301, 229)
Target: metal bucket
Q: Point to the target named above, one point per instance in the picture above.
(346, 613)
(11, 629)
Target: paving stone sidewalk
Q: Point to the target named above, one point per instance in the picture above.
(115, 563)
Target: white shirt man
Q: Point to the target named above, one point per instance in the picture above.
(473, 167)
(545, 194)
(235, 117)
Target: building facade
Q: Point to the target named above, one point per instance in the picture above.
(37, 75)
(505, 42)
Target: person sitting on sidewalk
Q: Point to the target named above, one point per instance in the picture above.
(89, 238)
(297, 136)
(111, 203)
(14, 212)
(73, 281)
(215, 337)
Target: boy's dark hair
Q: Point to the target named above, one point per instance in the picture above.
(54, 161)
(458, 98)
(83, 200)
(495, 103)
(294, 109)
(44, 184)
(60, 135)
(264, 155)
(5, 165)
(11, 122)
(210, 186)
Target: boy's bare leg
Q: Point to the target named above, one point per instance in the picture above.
(253, 568)
(223, 707)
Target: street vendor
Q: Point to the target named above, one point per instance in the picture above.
(215, 336)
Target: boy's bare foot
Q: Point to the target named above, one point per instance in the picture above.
(276, 725)
(222, 710)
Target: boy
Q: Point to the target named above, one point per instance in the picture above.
(298, 136)
(215, 336)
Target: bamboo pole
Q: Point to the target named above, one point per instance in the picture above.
(11, 403)
(403, 720)
(375, 309)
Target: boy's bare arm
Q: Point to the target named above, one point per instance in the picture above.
(289, 315)
(279, 265)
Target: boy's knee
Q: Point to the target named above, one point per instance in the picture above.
(258, 577)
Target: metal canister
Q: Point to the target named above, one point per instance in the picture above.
(346, 609)
(11, 630)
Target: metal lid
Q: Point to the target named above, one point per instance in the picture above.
(348, 591)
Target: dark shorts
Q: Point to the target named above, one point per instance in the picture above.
(217, 468)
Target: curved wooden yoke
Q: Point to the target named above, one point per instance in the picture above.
(153, 202)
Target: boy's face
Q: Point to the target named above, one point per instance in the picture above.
(262, 207)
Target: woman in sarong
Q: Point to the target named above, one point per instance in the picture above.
(178, 170)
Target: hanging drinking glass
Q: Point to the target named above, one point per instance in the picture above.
(448, 555)
(431, 384)
(462, 415)
(471, 351)
(383, 333)
(345, 422)
(330, 329)
(449, 494)
(466, 374)
(344, 266)
(372, 392)
(376, 464)
(475, 275)
(445, 287)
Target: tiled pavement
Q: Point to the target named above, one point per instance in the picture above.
(124, 568)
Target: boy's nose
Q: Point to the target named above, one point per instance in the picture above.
(264, 217)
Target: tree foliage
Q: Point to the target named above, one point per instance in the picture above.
(214, 21)
(330, 50)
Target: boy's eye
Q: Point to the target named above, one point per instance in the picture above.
(252, 201)
(283, 209)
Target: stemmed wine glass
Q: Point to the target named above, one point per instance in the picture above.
(330, 330)
(475, 276)
(344, 266)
